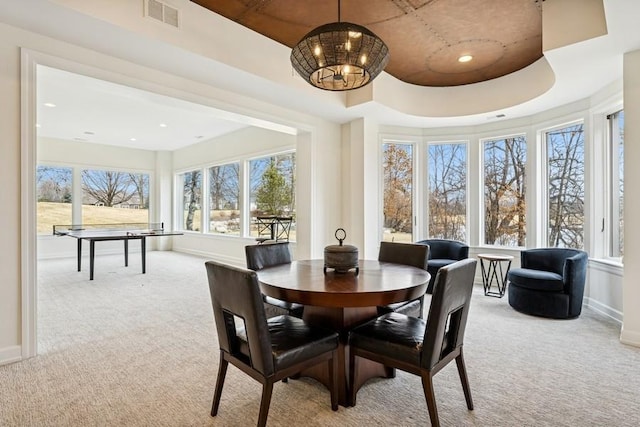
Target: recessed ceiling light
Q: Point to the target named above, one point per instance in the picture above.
(38, 125)
(88, 132)
(163, 125)
(49, 104)
(465, 58)
(132, 139)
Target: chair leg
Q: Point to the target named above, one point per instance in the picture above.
(427, 385)
(267, 389)
(462, 370)
(222, 372)
(389, 372)
(353, 367)
(333, 380)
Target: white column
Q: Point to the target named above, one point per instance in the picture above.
(630, 287)
(361, 193)
(162, 201)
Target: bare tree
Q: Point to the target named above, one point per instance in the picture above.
(107, 187)
(447, 191)
(192, 194)
(141, 183)
(224, 186)
(504, 191)
(54, 184)
(398, 181)
(565, 148)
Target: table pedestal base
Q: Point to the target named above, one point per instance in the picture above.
(342, 320)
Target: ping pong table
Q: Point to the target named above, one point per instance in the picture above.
(104, 232)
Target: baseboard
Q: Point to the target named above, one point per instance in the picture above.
(603, 309)
(241, 262)
(630, 337)
(10, 355)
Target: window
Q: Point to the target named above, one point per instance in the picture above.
(447, 191)
(565, 187)
(224, 199)
(504, 191)
(616, 138)
(272, 189)
(397, 169)
(54, 194)
(111, 197)
(190, 185)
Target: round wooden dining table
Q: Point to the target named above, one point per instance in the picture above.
(341, 301)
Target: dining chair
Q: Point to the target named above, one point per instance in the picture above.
(411, 254)
(267, 255)
(417, 346)
(273, 228)
(443, 252)
(267, 350)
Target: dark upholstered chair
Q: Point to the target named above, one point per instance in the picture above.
(417, 346)
(443, 252)
(407, 254)
(550, 282)
(266, 255)
(266, 350)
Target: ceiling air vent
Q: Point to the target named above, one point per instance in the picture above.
(162, 12)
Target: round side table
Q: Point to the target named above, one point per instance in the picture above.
(490, 274)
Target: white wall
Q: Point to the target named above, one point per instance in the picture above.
(72, 153)
(10, 289)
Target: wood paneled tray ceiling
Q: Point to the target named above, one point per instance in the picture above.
(425, 38)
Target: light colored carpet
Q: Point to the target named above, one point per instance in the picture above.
(140, 350)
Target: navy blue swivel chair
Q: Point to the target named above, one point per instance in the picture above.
(443, 252)
(550, 282)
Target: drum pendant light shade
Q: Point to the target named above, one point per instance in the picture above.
(339, 56)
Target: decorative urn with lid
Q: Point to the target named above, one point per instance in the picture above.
(341, 258)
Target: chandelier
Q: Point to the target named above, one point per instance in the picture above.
(340, 56)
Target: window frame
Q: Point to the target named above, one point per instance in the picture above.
(207, 198)
(481, 203)
(427, 213)
(611, 225)
(179, 195)
(244, 162)
(416, 150)
(77, 191)
(246, 190)
(544, 177)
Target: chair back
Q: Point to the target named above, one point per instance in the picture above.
(235, 292)
(446, 249)
(551, 259)
(267, 255)
(448, 312)
(283, 227)
(404, 253)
